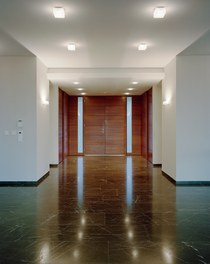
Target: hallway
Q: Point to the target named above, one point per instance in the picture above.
(105, 210)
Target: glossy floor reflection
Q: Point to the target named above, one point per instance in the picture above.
(105, 210)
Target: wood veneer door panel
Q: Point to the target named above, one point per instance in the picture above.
(115, 111)
(104, 125)
(115, 125)
(111, 142)
(149, 125)
(73, 144)
(94, 131)
(136, 140)
(94, 105)
(117, 149)
(65, 125)
(116, 118)
(94, 138)
(94, 120)
(114, 100)
(60, 125)
(144, 125)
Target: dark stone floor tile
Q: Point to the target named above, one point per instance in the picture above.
(105, 214)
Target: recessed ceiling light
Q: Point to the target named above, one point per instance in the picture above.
(127, 93)
(134, 82)
(75, 83)
(59, 12)
(130, 89)
(83, 93)
(159, 12)
(71, 47)
(142, 46)
(80, 89)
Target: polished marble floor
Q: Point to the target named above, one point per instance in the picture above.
(105, 210)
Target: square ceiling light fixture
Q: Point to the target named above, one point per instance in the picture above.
(59, 12)
(71, 47)
(159, 12)
(142, 46)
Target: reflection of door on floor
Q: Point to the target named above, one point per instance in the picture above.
(105, 125)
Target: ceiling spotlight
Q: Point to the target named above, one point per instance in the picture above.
(130, 89)
(80, 89)
(75, 83)
(127, 93)
(59, 12)
(134, 83)
(159, 12)
(142, 46)
(71, 47)
(83, 93)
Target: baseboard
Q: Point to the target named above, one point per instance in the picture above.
(168, 177)
(157, 165)
(24, 183)
(53, 165)
(43, 178)
(186, 183)
(193, 183)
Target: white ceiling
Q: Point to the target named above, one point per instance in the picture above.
(106, 81)
(107, 33)
(10, 47)
(199, 47)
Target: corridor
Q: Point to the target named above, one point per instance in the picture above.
(105, 210)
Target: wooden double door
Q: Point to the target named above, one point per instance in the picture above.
(105, 125)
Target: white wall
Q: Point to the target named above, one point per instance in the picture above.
(54, 145)
(42, 118)
(17, 101)
(157, 123)
(22, 83)
(169, 121)
(193, 121)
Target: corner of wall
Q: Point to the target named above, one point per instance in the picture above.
(169, 120)
(42, 118)
(54, 146)
(157, 123)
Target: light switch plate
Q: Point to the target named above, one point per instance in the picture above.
(20, 123)
(20, 136)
